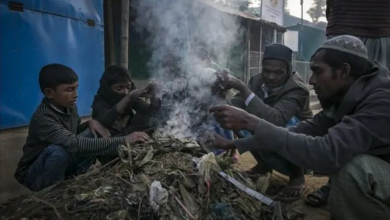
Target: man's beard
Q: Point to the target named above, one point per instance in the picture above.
(326, 103)
(333, 101)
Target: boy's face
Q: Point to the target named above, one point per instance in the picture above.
(64, 96)
(122, 88)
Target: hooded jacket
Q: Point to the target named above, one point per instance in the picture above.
(104, 111)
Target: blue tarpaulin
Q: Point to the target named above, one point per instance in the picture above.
(68, 32)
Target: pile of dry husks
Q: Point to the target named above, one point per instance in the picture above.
(157, 180)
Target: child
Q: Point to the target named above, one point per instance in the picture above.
(115, 101)
(54, 150)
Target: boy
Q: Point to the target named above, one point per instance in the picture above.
(54, 150)
(115, 102)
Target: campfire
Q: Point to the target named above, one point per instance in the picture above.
(165, 179)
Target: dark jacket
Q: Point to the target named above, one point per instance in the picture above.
(108, 116)
(292, 99)
(360, 125)
(104, 110)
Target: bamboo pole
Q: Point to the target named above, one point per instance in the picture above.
(110, 34)
(124, 50)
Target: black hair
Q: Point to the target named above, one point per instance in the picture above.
(116, 74)
(334, 58)
(53, 75)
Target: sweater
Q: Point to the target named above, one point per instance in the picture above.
(50, 126)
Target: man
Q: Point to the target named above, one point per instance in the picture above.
(348, 139)
(280, 97)
(368, 20)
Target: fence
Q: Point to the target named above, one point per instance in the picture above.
(303, 68)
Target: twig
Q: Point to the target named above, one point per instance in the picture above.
(129, 151)
(203, 147)
(149, 129)
(124, 180)
(48, 204)
(139, 208)
(184, 207)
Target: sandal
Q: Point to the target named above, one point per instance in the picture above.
(300, 189)
(319, 197)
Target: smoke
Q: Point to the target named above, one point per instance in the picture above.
(184, 35)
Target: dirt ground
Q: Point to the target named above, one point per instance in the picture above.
(246, 161)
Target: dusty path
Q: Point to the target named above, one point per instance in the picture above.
(247, 161)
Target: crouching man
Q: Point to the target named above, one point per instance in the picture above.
(280, 97)
(55, 148)
(350, 138)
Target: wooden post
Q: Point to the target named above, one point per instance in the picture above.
(124, 50)
(110, 34)
(248, 62)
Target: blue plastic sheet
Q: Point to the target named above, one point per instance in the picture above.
(76, 9)
(31, 39)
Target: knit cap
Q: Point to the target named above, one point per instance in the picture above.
(347, 44)
(278, 52)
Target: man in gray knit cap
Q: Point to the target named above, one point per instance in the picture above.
(349, 138)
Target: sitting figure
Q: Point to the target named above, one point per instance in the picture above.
(280, 97)
(55, 148)
(118, 107)
(349, 138)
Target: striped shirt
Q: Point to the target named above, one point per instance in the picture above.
(52, 126)
(361, 18)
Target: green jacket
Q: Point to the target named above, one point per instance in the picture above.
(292, 99)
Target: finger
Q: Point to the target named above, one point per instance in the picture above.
(104, 132)
(141, 139)
(107, 134)
(219, 108)
(144, 135)
(220, 77)
(219, 115)
(94, 133)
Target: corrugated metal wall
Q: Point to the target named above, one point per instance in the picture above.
(38, 32)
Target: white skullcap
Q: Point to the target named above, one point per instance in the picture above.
(346, 44)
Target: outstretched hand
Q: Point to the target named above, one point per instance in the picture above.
(227, 81)
(233, 118)
(137, 137)
(221, 143)
(150, 90)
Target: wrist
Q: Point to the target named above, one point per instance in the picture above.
(251, 122)
(245, 92)
(230, 145)
(132, 94)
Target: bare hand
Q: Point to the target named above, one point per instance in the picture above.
(228, 81)
(222, 143)
(149, 91)
(234, 118)
(137, 137)
(137, 93)
(98, 129)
